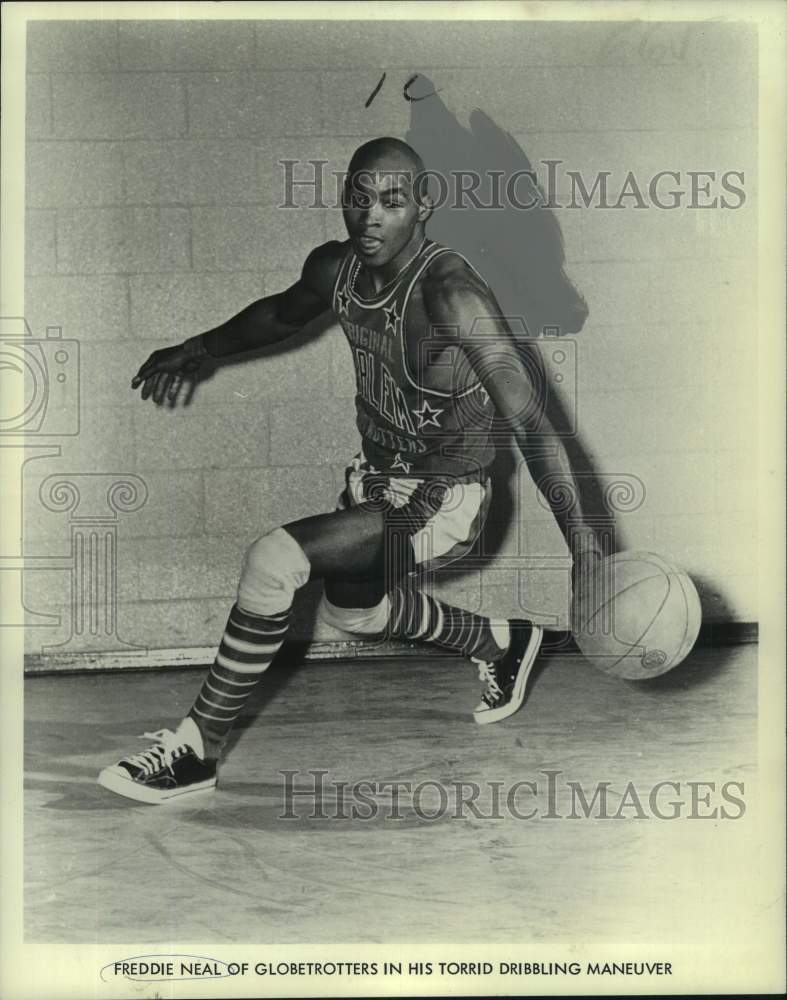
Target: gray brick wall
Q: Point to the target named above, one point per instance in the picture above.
(152, 181)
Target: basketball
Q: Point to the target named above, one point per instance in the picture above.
(638, 616)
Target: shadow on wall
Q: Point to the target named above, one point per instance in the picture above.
(716, 604)
(520, 253)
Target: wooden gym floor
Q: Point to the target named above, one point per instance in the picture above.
(227, 868)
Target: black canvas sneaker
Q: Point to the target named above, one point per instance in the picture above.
(506, 678)
(167, 770)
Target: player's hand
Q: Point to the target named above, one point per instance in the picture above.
(583, 584)
(166, 371)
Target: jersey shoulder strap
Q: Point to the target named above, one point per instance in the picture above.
(341, 278)
(434, 251)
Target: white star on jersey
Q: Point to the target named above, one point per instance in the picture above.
(427, 415)
(392, 317)
(399, 463)
(343, 300)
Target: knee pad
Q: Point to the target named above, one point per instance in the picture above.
(274, 567)
(359, 621)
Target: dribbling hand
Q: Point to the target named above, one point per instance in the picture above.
(166, 371)
(583, 571)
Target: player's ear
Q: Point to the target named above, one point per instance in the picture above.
(425, 208)
(423, 199)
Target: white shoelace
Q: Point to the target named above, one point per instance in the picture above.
(162, 754)
(486, 673)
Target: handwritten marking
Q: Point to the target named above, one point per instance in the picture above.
(375, 92)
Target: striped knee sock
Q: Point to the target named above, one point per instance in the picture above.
(416, 615)
(247, 648)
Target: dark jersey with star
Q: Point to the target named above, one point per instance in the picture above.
(420, 407)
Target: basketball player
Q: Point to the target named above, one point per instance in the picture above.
(434, 362)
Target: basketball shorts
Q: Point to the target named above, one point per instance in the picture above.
(429, 522)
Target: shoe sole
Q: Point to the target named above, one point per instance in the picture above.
(131, 789)
(518, 695)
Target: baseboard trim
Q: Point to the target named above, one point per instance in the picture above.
(711, 634)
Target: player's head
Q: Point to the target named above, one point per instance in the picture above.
(384, 210)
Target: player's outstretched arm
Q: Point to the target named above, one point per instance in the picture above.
(461, 301)
(267, 321)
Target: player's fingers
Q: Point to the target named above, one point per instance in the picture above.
(147, 387)
(145, 372)
(191, 386)
(151, 385)
(174, 390)
(160, 387)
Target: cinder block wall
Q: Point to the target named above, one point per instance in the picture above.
(152, 184)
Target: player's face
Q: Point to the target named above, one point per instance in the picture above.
(380, 214)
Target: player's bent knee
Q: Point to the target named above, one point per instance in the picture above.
(274, 567)
(358, 621)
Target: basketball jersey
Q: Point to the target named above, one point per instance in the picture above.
(409, 428)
